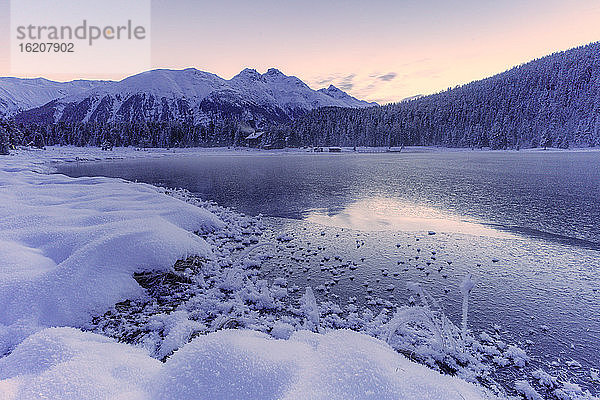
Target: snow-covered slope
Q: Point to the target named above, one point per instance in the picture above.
(410, 98)
(192, 96)
(17, 94)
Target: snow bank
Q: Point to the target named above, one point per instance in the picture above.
(69, 247)
(63, 363)
(338, 365)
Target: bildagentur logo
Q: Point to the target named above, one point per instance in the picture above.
(85, 31)
(84, 37)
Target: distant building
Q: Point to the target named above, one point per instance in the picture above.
(254, 139)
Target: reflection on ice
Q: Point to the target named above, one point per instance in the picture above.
(388, 214)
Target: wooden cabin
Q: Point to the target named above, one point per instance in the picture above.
(254, 139)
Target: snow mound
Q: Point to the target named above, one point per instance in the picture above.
(69, 247)
(64, 363)
(342, 364)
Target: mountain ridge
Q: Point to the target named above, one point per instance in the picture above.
(185, 95)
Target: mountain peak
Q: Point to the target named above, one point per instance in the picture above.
(334, 91)
(338, 94)
(248, 73)
(273, 72)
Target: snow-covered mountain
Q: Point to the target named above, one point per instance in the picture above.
(186, 95)
(339, 94)
(17, 94)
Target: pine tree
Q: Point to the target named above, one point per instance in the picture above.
(4, 145)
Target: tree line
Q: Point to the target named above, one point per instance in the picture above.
(225, 132)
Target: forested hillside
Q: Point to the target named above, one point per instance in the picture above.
(552, 101)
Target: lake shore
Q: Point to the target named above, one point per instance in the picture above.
(224, 236)
(68, 154)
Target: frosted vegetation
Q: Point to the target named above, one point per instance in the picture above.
(178, 281)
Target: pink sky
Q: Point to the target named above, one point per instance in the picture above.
(378, 50)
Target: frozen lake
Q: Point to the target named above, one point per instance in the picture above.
(550, 194)
(526, 225)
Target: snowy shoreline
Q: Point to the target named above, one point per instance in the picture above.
(69, 154)
(60, 233)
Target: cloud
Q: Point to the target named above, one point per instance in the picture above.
(324, 81)
(347, 82)
(336, 79)
(387, 77)
(372, 86)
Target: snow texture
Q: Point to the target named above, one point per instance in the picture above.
(64, 363)
(18, 94)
